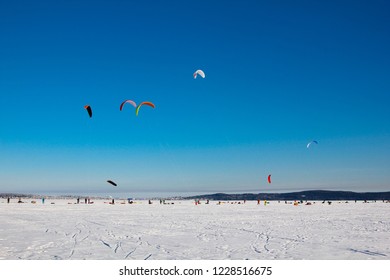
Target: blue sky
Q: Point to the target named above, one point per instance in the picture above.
(278, 75)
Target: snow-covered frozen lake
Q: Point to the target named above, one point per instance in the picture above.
(183, 231)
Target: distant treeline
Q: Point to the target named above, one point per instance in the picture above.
(304, 195)
(18, 195)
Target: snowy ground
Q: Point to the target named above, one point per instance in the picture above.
(184, 231)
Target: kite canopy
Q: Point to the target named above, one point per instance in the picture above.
(143, 103)
(89, 110)
(112, 183)
(308, 145)
(200, 73)
(269, 178)
(128, 101)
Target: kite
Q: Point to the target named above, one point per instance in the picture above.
(200, 73)
(308, 145)
(143, 103)
(112, 183)
(128, 101)
(88, 108)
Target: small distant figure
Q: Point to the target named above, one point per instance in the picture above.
(85, 200)
(258, 201)
(160, 201)
(113, 201)
(8, 199)
(207, 202)
(89, 200)
(329, 202)
(150, 202)
(78, 200)
(43, 200)
(265, 202)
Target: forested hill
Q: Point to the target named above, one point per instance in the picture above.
(304, 195)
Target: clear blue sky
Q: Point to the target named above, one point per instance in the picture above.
(278, 75)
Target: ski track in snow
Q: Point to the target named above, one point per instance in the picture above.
(185, 231)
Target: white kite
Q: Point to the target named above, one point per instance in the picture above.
(308, 145)
(200, 73)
